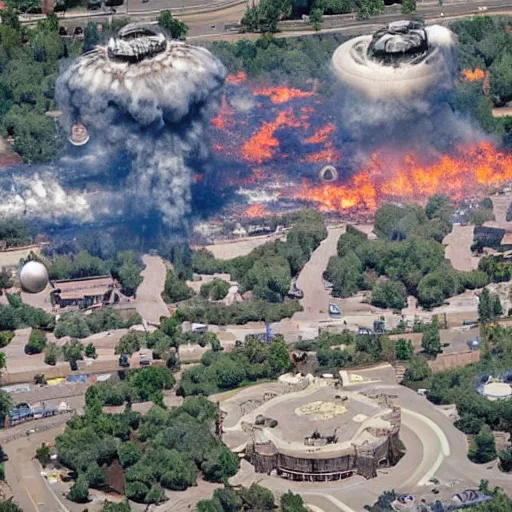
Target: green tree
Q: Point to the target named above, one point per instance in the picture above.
(175, 290)
(176, 28)
(51, 354)
(489, 306)
(431, 341)
(315, 18)
(505, 457)
(116, 507)
(73, 351)
(227, 500)
(408, 6)
(130, 278)
(129, 454)
(258, 498)
(130, 343)
(484, 446)
(404, 349)
(389, 294)
(36, 342)
(5, 280)
(90, 351)
(155, 495)
(5, 404)
(5, 338)
(417, 369)
(43, 454)
(206, 506)
(9, 506)
(79, 491)
(214, 290)
(292, 503)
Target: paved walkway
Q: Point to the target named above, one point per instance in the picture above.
(150, 304)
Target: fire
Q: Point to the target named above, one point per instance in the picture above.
(236, 78)
(473, 76)
(322, 134)
(255, 211)
(223, 118)
(283, 94)
(471, 169)
(262, 145)
(327, 155)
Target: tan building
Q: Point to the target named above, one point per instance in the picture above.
(83, 293)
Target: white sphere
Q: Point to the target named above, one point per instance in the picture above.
(34, 277)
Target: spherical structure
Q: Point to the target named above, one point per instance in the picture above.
(403, 59)
(34, 277)
(328, 174)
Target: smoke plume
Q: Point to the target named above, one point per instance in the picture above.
(146, 122)
(150, 116)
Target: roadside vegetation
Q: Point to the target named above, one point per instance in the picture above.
(255, 498)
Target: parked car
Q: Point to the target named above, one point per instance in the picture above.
(334, 310)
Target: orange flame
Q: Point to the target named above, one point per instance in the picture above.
(255, 211)
(236, 78)
(322, 134)
(473, 76)
(327, 155)
(222, 120)
(283, 94)
(475, 168)
(261, 146)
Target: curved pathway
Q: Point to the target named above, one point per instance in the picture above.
(150, 304)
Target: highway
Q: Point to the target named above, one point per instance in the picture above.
(207, 19)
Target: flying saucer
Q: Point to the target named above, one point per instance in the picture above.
(79, 135)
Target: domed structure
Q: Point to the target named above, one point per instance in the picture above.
(400, 60)
(34, 277)
(79, 135)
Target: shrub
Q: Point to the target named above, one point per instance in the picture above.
(130, 343)
(90, 351)
(43, 454)
(73, 351)
(79, 492)
(36, 342)
(51, 354)
(5, 338)
(214, 290)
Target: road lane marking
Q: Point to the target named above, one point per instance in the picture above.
(36, 508)
(443, 441)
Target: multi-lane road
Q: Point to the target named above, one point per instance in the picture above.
(208, 19)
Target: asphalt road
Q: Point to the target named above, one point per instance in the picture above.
(212, 24)
(149, 303)
(316, 297)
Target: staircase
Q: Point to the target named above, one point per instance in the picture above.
(399, 372)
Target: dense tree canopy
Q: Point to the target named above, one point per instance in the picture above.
(221, 371)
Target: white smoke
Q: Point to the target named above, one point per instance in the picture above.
(151, 115)
(153, 111)
(41, 197)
